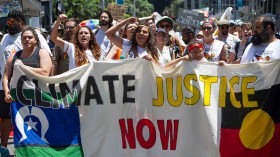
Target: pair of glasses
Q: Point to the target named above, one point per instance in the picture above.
(69, 27)
(207, 28)
(164, 26)
(224, 27)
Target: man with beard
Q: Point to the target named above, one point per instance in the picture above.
(264, 45)
(11, 43)
(224, 35)
(60, 58)
(105, 22)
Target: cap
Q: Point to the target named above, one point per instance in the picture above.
(167, 19)
(160, 30)
(199, 33)
(223, 22)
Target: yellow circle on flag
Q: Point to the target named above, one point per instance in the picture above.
(257, 129)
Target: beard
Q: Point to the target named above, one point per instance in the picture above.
(13, 29)
(103, 23)
(67, 36)
(260, 38)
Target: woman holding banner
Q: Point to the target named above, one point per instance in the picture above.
(36, 59)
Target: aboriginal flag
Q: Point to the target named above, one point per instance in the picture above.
(255, 131)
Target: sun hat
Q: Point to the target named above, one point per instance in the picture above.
(167, 19)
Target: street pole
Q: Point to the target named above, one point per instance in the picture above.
(134, 10)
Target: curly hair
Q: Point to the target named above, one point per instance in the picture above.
(150, 48)
(80, 55)
(18, 15)
(35, 35)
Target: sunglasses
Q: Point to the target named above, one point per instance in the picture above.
(224, 27)
(69, 27)
(11, 21)
(207, 28)
(164, 26)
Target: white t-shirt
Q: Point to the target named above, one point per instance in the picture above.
(10, 44)
(69, 48)
(126, 48)
(213, 51)
(103, 42)
(230, 42)
(262, 52)
(164, 56)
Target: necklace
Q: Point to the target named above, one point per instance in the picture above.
(208, 47)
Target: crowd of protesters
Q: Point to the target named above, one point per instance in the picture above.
(70, 45)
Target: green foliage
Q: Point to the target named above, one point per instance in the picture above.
(80, 9)
(89, 9)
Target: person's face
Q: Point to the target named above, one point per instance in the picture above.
(160, 37)
(84, 36)
(104, 19)
(165, 25)
(187, 37)
(197, 53)
(224, 29)
(130, 29)
(246, 31)
(151, 25)
(13, 26)
(207, 29)
(28, 40)
(69, 27)
(260, 34)
(142, 36)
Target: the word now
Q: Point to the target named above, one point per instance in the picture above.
(168, 133)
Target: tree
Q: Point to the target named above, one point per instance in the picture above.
(80, 9)
(89, 9)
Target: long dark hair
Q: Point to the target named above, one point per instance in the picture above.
(109, 15)
(80, 55)
(35, 35)
(150, 48)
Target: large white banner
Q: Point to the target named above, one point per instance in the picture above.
(133, 108)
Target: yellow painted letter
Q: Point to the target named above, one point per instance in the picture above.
(159, 100)
(232, 81)
(195, 92)
(208, 80)
(179, 92)
(248, 91)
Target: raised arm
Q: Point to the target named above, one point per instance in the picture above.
(111, 32)
(54, 34)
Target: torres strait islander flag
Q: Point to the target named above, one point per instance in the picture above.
(43, 125)
(251, 117)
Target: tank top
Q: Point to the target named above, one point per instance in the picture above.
(32, 61)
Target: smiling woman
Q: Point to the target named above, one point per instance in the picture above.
(140, 44)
